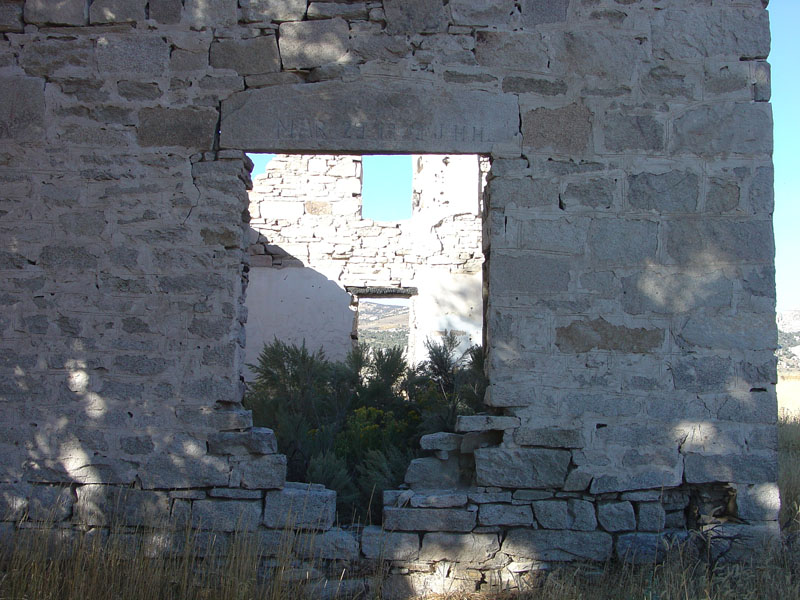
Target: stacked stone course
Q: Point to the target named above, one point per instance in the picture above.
(627, 234)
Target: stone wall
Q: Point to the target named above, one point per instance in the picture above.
(630, 288)
(305, 211)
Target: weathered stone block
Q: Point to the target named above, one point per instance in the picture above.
(226, 515)
(753, 331)
(265, 472)
(567, 130)
(104, 505)
(735, 33)
(13, 501)
(57, 12)
(623, 242)
(428, 519)
(641, 548)
(303, 506)
(505, 514)
(521, 467)
(650, 516)
(404, 118)
(487, 12)
(583, 336)
(470, 548)
(668, 293)
(211, 13)
(581, 515)
(724, 128)
(623, 132)
(536, 12)
(247, 57)
(11, 16)
(467, 423)
(594, 194)
(50, 503)
(674, 191)
(438, 500)
(190, 128)
(742, 468)
(551, 437)
(414, 16)
(441, 441)
(21, 109)
(690, 241)
(734, 542)
(117, 11)
(258, 440)
(379, 544)
(308, 44)
(758, 502)
(133, 56)
(529, 273)
(273, 10)
(545, 545)
(171, 471)
(510, 49)
(551, 514)
(430, 472)
(167, 12)
(335, 544)
(666, 80)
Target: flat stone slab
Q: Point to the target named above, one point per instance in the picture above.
(384, 116)
(428, 519)
(521, 467)
(561, 545)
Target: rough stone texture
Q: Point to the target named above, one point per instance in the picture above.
(273, 10)
(485, 423)
(616, 516)
(379, 544)
(56, 12)
(257, 440)
(190, 128)
(650, 516)
(428, 519)
(629, 290)
(566, 130)
(641, 548)
(247, 57)
(300, 505)
(758, 502)
(117, 11)
(332, 116)
(265, 472)
(505, 514)
(22, 106)
(107, 505)
(551, 514)
(526, 544)
(300, 48)
(521, 468)
(470, 548)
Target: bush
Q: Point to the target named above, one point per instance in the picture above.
(354, 426)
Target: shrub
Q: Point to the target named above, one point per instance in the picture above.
(355, 425)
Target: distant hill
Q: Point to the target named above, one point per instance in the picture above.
(788, 342)
(382, 325)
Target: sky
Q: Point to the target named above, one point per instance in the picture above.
(389, 177)
(784, 19)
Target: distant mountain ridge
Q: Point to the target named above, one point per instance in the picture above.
(382, 325)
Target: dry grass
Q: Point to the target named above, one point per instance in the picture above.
(118, 568)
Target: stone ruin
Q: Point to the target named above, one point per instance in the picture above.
(311, 252)
(629, 280)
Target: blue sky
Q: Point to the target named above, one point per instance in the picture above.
(388, 177)
(785, 19)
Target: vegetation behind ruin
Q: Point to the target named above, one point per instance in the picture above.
(354, 426)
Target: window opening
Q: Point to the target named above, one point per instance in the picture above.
(318, 263)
